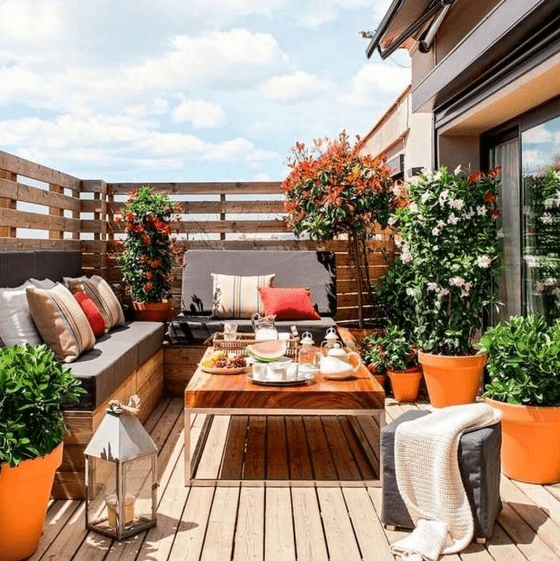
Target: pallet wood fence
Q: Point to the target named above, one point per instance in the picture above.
(42, 208)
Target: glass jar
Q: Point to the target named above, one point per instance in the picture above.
(308, 354)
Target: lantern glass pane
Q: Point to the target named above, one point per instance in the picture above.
(139, 478)
(101, 494)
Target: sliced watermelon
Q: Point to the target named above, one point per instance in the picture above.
(267, 351)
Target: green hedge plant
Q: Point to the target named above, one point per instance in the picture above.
(523, 361)
(33, 386)
(391, 351)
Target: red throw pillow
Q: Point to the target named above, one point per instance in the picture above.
(288, 303)
(92, 313)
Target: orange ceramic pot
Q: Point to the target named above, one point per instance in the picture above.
(406, 383)
(152, 311)
(530, 442)
(452, 380)
(24, 497)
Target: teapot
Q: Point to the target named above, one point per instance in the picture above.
(264, 327)
(338, 364)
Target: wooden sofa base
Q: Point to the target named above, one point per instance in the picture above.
(147, 382)
(179, 364)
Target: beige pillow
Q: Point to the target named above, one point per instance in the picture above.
(236, 296)
(61, 321)
(98, 289)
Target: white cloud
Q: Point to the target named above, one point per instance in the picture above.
(537, 135)
(139, 138)
(292, 86)
(202, 114)
(30, 21)
(320, 12)
(375, 83)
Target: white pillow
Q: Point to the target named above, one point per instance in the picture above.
(235, 296)
(16, 323)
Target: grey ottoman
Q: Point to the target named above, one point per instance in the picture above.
(479, 462)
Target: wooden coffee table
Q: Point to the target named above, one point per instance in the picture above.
(226, 394)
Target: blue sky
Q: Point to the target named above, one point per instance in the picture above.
(186, 90)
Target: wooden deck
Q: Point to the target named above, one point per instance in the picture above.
(281, 523)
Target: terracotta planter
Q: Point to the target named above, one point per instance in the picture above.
(406, 383)
(24, 497)
(152, 311)
(452, 380)
(530, 442)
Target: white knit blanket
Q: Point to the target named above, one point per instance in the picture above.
(429, 480)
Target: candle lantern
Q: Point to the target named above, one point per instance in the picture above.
(121, 474)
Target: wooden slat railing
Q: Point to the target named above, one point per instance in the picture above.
(43, 208)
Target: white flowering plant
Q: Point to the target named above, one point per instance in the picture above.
(449, 234)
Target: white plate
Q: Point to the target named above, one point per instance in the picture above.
(302, 379)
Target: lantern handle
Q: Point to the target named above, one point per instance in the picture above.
(132, 407)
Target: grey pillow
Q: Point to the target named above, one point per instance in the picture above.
(16, 324)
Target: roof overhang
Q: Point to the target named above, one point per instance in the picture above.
(404, 20)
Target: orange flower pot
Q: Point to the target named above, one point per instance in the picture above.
(530, 442)
(152, 311)
(406, 383)
(24, 497)
(452, 380)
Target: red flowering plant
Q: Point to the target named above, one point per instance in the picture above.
(148, 250)
(333, 189)
(450, 247)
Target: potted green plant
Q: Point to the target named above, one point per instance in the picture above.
(148, 252)
(393, 352)
(33, 387)
(524, 384)
(450, 242)
(335, 189)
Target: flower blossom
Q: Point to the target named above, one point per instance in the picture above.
(546, 218)
(469, 214)
(456, 203)
(410, 291)
(425, 196)
(484, 261)
(457, 169)
(456, 281)
(406, 256)
(481, 210)
(466, 289)
(531, 260)
(432, 286)
(413, 207)
(443, 196)
(436, 232)
(444, 292)
(452, 219)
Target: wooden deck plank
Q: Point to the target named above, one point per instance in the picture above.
(279, 542)
(321, 459)
(249, 535)
(300, 462)
(276, 449)
(218, 543)
(210, 462)
(309, 537)
(255, 456)
(371, 538)
(339, 532)
(363, 461)
(344, 461)
(232, 467)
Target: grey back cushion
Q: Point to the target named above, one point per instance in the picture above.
(18, 266)
(293, 268)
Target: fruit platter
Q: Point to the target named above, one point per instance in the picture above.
(222, 362)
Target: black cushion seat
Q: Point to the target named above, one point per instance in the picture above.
(479, 463)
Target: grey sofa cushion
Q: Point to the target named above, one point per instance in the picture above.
(115, 356)
(313, 269)
(479, 463)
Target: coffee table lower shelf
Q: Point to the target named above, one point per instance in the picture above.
(283, 447)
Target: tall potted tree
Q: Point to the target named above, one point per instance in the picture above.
(33, 387)
(334, 189)
(450, 242)
(524, 384)
(148, 252)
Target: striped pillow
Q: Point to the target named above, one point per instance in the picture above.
(60, 321)
(238, 297)
(98, 289)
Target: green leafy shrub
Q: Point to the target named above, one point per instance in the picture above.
(390, 351)
(523, 361)
(33, 386)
